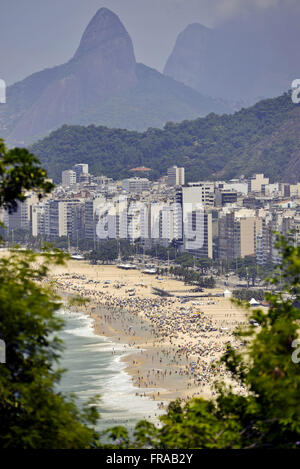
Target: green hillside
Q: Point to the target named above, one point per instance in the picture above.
(264, 137)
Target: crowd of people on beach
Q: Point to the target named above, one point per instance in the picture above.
(184, 341)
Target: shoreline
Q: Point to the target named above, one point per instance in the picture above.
(141, 360)
(177, 344)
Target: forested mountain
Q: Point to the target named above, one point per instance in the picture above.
(100, 84)
(263, 138)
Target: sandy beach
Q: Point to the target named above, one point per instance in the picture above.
(176, 344)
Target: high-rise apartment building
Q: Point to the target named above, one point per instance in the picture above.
(79, 169)
(37, 220)
(68, 178)
(198, 238)
(237, 234)
(61, 218)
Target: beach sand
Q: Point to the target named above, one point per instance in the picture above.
(176, 346)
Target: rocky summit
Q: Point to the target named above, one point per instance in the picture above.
(244, 59)
(104, 61)
(103, 64)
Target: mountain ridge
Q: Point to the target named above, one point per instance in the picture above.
(262, 138)
(244, 58)
(101, 84)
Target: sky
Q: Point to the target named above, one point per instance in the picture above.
(38, 34)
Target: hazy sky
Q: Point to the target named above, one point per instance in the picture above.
(36, 34)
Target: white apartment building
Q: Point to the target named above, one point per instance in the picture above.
(192, 220)
(158, 225)
(136, 185)
(68, 178)
(91, 216)
(119, 219)
(134, 220)
(106, 221)
(167, 221)
(150, 221)
(38, 220)
(197, 194)
(295, 190)
(198, 233)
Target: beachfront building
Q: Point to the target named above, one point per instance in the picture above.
(107, 221)
(264, 238)
(197, 238)
(62, 218)
(167, 225)
(150, 221)
(37, 220)
(192, 218)
(119, 219)
(157, 224)
(90, 216)
(134, 220)
(237, 233)
(20, 218)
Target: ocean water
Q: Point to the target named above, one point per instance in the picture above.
(93, 369)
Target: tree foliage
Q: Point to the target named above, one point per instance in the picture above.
(109, 250)
(32, 413)
(215, 146)
(267, 413)
(20, 171)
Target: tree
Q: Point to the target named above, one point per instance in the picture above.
(20, 171)
(32, 413)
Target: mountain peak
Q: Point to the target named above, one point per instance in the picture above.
(187, 60)
(105, 26)
(196, 27)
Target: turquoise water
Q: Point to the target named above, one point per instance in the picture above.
(94, 367)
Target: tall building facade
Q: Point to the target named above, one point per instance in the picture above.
(176, 176)
(68, 178)
(237, 234)
(80, 169)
